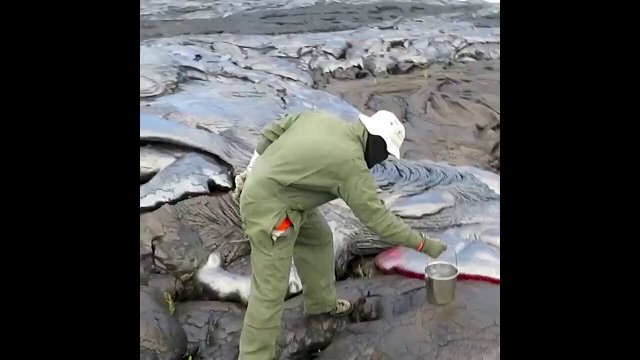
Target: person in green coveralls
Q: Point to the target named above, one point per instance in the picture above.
(301, 162)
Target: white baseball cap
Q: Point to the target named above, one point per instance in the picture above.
(386, 125)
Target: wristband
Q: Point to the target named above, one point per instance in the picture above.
(421, 246)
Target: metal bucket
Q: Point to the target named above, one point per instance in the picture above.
(441, 278)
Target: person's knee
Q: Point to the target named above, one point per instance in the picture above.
(266, 300)
(264, 315)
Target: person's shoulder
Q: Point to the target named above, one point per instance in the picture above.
(327, 114)
(319, 114)
(321, 122)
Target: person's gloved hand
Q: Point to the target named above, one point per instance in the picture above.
(432, 247)
(242, 177)
(239, 180)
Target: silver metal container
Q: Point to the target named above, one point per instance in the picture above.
(441, 278)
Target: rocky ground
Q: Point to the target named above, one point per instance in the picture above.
(323, 16)
(393, 321)
(452, 113)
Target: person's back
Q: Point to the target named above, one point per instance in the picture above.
(308, 160)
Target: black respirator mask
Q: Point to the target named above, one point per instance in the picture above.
(375, 150)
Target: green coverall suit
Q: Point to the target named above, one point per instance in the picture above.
(306, 160)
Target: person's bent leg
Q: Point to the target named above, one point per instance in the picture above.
(314, 259)
(271, 264)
